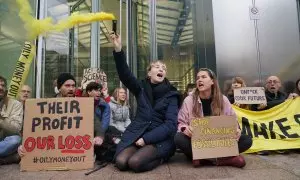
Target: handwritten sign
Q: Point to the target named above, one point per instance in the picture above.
(214, 137)
(93, 75)
(250, 95)
(58, 134)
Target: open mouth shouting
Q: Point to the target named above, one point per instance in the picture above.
(160, 75)
(200, 85)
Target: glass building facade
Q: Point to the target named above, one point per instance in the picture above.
(249, 38)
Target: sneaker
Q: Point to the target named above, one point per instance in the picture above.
(235, 161)
(11, 159)
(263, 153)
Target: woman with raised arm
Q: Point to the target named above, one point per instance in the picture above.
(149, 139)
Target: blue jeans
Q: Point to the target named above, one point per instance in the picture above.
(9, 145)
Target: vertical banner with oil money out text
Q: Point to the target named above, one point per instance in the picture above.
(273, 129)
(21, 71)
(58, 134)
(214, 137)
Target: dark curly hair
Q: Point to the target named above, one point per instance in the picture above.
(93, 86)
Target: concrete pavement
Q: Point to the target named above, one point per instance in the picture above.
(272, 167)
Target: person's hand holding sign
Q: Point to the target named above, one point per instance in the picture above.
(237, 104)
(140, 142)
(21, 151)
(188, 130)
(292, 96)
(105, 92)
(98, 141)
(261, 106)
(238, 134)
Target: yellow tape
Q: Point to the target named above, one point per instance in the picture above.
(21, 71)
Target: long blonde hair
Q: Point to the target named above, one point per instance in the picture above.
(116, 96)
(217, 106)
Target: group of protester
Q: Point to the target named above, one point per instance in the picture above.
(111, 117)
(161, 124)
(274, 97)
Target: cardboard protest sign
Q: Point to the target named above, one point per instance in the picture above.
(58, 134)
(93, 75)
(214, 137)
(250, 95)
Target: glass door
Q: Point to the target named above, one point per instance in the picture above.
(183, 37)
(80, 42)
(67, 51)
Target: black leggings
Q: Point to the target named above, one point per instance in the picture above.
(107, 150)
(183, 142)
(138, 159)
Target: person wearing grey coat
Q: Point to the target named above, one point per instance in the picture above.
(119, 117)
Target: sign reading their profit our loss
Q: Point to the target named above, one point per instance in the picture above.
(58, 134)
(214, 137)
(93, 75)
(250, 95)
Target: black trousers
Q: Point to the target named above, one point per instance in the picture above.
(183, 142)
(107, 150)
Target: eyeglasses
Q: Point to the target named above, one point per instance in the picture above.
(25, 91)
(273, 82)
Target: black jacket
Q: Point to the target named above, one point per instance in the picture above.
(272, 100)
(157, 123)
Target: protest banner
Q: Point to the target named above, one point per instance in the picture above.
(214, 137)
(58, 134)
(21, 71)
(93, 75)
(250, 95)
(273, 129)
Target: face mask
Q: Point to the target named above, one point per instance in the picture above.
(56, 90)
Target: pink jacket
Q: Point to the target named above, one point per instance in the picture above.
(185, 114)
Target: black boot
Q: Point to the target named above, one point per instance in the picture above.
(10, 159)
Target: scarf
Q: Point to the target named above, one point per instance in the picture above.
(156, 91)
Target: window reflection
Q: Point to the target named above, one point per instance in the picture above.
(12, 38)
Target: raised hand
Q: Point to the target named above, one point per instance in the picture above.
(237, 104)
(116, 41)
(105, 92)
